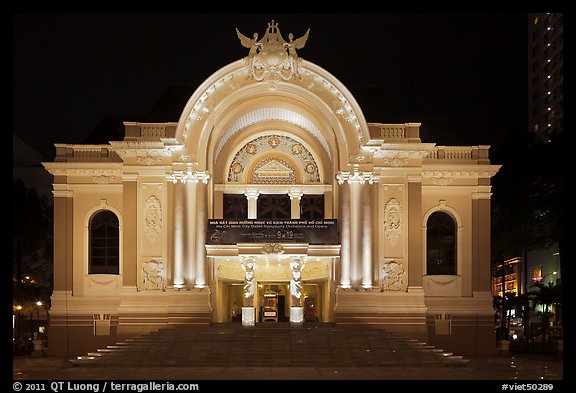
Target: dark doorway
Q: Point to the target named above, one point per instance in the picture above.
(282, 308)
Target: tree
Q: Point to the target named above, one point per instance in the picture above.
(504, 305)
(546, 295)
(32, 259)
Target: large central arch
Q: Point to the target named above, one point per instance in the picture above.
(315, 101)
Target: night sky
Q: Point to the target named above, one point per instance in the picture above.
(463, 76)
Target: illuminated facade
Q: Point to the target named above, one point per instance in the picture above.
(545, 74)
(270, 182)
(510, 270)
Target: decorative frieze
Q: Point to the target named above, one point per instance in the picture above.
(188, 176)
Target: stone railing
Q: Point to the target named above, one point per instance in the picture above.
(460, 153)
(149, 131)
(66, 152)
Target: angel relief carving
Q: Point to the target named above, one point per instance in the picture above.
(153, 275)
(152, 218)
(392, 220)
(272, 58)
(393, 277)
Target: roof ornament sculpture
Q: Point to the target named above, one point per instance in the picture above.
(271, 58)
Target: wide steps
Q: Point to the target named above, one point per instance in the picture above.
(271, 345)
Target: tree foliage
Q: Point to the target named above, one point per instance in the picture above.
(527, 203)
(32, 245)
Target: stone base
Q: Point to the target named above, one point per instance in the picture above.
(248, 316)
(296, 316)
(396, 311)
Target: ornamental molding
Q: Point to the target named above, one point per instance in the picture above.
(188, 176)
(103, 179)
(399, 153)
(153, 276)
(148, 159)
(393, 277)
(273, 142)
(282, 114)
(95, 279)
(152, 218)
(395, 161)
(356, 176)
(393, 220)
(272, 248)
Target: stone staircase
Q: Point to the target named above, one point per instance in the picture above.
(269, 345)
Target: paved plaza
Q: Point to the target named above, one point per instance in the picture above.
(280, 352)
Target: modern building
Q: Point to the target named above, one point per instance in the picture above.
(545, 74)
(271, 182)
(508, 272)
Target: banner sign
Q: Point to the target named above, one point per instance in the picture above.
(223, 231)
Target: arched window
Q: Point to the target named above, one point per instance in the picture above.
(440, 244)
(104, 243)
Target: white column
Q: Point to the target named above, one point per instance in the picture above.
(296, 309)
(190, 233)
(179, 235)
(357, 217)
(252, 196)
(367, 236)
(201, 216)
(248, 310)
(344, 223)
(295, 196)
(355, 233)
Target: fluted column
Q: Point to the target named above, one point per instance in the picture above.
(295, 196)
(344, 224)
(201, 214)
(190, 265)
(189, 227)
(248, 310)
(356, 216)
(179, 235)
(366, 236)
(355, 233)
(252, 196)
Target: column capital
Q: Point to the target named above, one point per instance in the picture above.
(188, 176)
(295, 193)
(252, 193)
(356, 176)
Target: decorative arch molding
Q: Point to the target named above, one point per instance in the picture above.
(444, 208)
(328, 95)
(264, 114)
(252, 150)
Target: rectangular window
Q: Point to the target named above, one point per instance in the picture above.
(537, 274)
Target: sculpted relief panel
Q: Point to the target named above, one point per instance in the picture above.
(393, 220)
(152, 218)
(393, 277)
(152, 275)
(393, 225)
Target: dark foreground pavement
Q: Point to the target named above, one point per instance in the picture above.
(233, 353)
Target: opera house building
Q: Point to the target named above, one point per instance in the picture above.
(271, 200)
